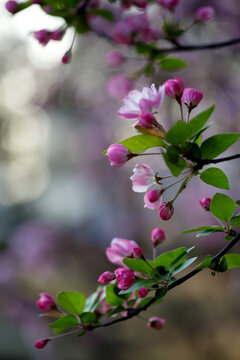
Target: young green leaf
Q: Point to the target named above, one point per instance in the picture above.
(175, 167)
(172, 64)
(88, 318)
(137, 265)
(215, 228)
(138, 285)
(64, 323)
(217, 144)
(235, 221)
(215, 177)
(200, 120)
(205, 264)
(71, 301)
(208, 232)
(115, 311)
(167, 258)
(179, 133)
(112, 295)
(222, 207)
(233, 260)
(184, 265)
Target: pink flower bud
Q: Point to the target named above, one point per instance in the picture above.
(48, 9)
(118, 155)
(168, 4)
(122, 33)
(142, 293)
(156, 323)
(205, 203)
(119, 249)
(153, 199)
(67, 57)
(58, 34)
(137, 252)
(119, 86)
(174, 88)
(39, 2)
(115, 58)
(106, 277)
(125, 278)
(166, 211)
(46, 302)
(157, 236)
(41, 343)
(205, 13)
(42, 36)
(191, 98)
(147, 120)
(11, 6)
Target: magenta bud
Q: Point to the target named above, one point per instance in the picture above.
(115, 58)
(67, 57)
(118, 155)
(142, 293)
(48, 9)
(205, 203)
(156, 323)
(38, 2)
(42, 36)
(125, 278)
(46, 302)
(157, 236)
(58, 35)
(174, 88)
(205, 13)
(11, 6)
(41, 343)
(191, 98)
(166, 210)
(168, 4)
(147, 120)
(137, 252)
(106, 277)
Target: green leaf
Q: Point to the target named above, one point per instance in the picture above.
(64, 323)
(144, 302)
(138, 285)
(94, 300)
(139, 143)
(238, 202)
(137, 265)
(184, 265)
(177, 261)
(208, 232)
(216, 228)
(172, 64)
(71, 301)
(168, 257)
(88, 318)
(116, 310)
(160, 293)
(235, 221)
(233, 260)
(228, 237)
(215, 177)
(205, 264)
(112, 295)
(175, 168)
(82, 333)
(179, 133)
(200, 120)
(222, 207)
(217, 144)
(191, 149)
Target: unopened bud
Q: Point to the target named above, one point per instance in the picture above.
(205, 203)
(142, 293)
(157, 236)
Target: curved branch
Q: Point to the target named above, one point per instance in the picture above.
(135, 312)
(216, 161)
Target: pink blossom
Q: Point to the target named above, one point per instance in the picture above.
(118, 86)
(58, 34)
(146, 120)
(138, 102)
(115, 58)
(143, 178)
(119, 249)
(122, 33)
(205, 13)
(142, 292)
(128, 3)
(166, 211)
(118, 155)
(168, 4)
(191, 97)
(106, 277)
(138, 22)
(125, 278)
(41, 343)
(156, 323)
(153, 199)
(205, 203)
(137, 252)
(67, 57)
(11, 6)
(149, 35)
(174, 88)
(43, 36)
(157, 236)
(46, 302)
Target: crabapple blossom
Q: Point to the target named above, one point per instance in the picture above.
(156, 323)
(205, 203)
(43, 36)
(168, 4)
(106, 277)
(174, 88)
(46, 302)
(152, 199)
(67, 57)
(143, 178)
(146, 120)
(138, 102)
(137, 252)
(166, 210)
(11, 6)
(191, 98)
(122, 33)
(142, 292)
(115, 58)
(205, 13)
(157, 236)
(41, 343)
(138, 22)
(118, 86)
(119, 249)
(118, 155)
(57, 35)
(125, 278)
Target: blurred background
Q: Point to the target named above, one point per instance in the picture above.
(61, 203)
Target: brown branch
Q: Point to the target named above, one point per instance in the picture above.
(216, 161)
(135, 312)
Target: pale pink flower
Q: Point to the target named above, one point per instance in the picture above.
(205, 13)
(205, 203)
(137, 22)
(156, 323)
(168, 4)
(125, 278)
(106, 277)
(118, 86)
(143, 178)
(157, 236)
(118, 155)
(119, 249)
(122, 33)
(46, 302)
(153, 199)
(138, 102)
